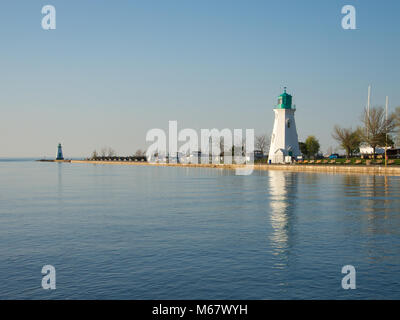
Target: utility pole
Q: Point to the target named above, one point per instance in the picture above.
(368, 105)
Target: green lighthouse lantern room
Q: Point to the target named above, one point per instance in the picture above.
(284, 100)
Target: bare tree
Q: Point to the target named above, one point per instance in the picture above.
(107, 152)
(110, 152)
(262, 143)
(348, 139)
(237, 147)
(155, 154)
(397, 124)
(140, 153)
(222, 144)
(103, 152)
(94, 155)
(376, 127)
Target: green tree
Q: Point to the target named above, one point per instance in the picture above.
(312, 145)
(303, 148)
(348, 139)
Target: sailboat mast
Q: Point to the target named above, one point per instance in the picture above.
(386, 117)
(368, 105)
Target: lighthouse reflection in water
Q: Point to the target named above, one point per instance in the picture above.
(282, 190)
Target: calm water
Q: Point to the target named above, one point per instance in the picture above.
(126, 232)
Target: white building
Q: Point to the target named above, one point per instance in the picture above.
(369, 150)
(284, 140)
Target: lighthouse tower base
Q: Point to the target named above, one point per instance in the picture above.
(284, 141)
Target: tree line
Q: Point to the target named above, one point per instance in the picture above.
(110, 152)
(377, 130)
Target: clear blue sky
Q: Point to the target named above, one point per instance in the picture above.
(112, 70)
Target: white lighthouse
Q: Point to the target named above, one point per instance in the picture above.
(284, 140)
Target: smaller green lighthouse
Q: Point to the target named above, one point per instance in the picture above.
(59, 153)
(284, 100)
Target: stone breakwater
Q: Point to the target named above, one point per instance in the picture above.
(338, 168)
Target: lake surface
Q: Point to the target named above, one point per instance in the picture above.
(136, 232)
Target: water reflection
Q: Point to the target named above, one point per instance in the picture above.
(374, 194)
(283, 192)
(378, 202)
(372, 205)
(59, 180)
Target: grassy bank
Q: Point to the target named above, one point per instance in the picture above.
(352, 161)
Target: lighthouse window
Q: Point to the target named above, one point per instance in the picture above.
(288, 123)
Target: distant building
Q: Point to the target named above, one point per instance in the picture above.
(370, 150)
(254, 156)
(284, 140)
(59, 153)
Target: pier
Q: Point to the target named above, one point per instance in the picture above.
(315, 168)
(120, 159)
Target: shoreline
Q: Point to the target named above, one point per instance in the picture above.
(321, 168)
